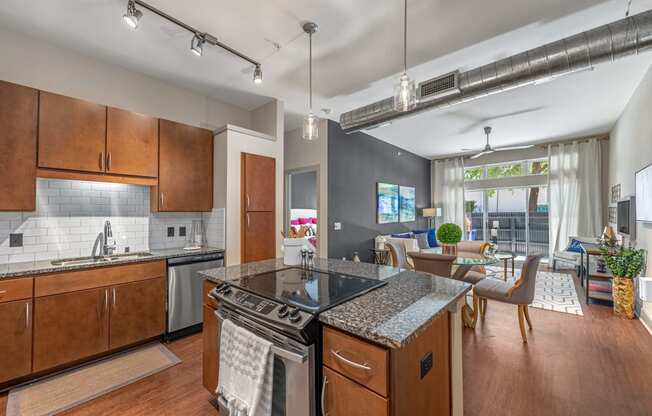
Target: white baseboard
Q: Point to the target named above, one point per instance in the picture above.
(646, 320)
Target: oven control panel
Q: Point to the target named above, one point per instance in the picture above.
(264, 308)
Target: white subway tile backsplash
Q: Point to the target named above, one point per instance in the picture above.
(70, 215)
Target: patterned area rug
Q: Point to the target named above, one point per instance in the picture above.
(554, 291)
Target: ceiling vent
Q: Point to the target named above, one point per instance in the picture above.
(439, 87)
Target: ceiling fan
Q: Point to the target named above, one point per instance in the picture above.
(489, 150)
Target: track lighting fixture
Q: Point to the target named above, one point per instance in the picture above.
(197, 45)
(133, 15)
(258, 75)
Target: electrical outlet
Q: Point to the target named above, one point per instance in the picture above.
(337, 226)
(16, 240)
(426, 364)
(182, 231)
(170, 231)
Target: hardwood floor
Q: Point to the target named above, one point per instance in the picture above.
(591, 365)
(175, 391)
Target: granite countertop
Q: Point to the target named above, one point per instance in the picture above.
(391, 315)
(30, 268)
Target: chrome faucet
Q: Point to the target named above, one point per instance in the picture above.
(107, 249)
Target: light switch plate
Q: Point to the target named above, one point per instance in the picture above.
(337, 226)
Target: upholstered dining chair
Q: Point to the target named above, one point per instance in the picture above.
(476, 273)
(521, 293)
(437, 264)
(398, 255)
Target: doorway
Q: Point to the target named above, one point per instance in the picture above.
(302, 202)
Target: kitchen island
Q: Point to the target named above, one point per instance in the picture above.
(396, 350)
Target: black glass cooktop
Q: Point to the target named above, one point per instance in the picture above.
(310, 290)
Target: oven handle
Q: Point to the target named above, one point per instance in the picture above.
(281, 352)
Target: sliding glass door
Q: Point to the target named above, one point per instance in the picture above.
(516, 219)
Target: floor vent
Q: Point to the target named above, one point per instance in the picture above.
(439, 87)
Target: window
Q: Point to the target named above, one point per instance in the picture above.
(473, 174)
(505, 171)
(538, 167)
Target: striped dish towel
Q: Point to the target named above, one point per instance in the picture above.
(246, 371)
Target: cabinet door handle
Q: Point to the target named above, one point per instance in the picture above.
(353, 364)
(106, 300)
(26, 315)
(247, 202)
(162, 200)
(102, 161)
(248, 221)
(108, 161)
(115, 297)
(323, 397)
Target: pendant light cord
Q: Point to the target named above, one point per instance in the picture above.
(310, 71)
(405, 37)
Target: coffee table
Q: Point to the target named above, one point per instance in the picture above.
(506, 257)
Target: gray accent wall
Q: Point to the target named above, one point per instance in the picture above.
(303, 187)
(356, 162)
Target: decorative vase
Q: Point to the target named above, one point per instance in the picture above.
(623, 294)
(449, 249)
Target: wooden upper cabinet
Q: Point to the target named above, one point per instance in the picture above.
(259, 174)
(70, 327)
(137, 312)
(72, 134)
(16, 339)
(131, 143)
(185, 169)
(18, 122)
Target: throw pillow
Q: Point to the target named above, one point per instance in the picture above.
(422, 240)
(574, 246)
(432, 236)
(403, 235)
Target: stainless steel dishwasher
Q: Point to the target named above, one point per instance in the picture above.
(185, 292)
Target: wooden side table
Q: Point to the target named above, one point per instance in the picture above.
(506, 257)
(381, 256)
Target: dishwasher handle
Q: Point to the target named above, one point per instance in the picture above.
(180, 261)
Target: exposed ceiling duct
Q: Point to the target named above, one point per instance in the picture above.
(608, 43)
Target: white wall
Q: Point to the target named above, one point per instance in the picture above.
(301, 154)
(229, 145)
(630, 149)
(37, 64)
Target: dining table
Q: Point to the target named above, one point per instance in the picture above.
(463, 263)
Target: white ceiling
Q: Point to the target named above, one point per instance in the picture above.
(357, 53)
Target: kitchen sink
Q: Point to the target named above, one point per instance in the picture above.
(80, 261)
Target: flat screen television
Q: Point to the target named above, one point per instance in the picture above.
(626, 217)
(644, 194)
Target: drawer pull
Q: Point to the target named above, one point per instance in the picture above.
(2, 292)
(353, 364)
(323, 397)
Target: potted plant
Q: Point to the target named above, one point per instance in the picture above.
(624, 264)
(449, 235)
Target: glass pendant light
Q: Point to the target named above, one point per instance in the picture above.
(405, 93)
(311, 121)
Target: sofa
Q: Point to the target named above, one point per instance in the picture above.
(572, 254)
(407, 240)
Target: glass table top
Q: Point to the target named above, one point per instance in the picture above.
(465, 258)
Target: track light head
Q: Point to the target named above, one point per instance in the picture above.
(197, 45)
(133, 15)
(258, 75)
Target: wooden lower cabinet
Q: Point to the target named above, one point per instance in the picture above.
(210, 337)
(70, 327)
(16, 340)
(344, 397)
(137, 312)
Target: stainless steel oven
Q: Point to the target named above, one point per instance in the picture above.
(293, 391)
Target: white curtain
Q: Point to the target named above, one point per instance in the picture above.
(575, 192)
(448, 190)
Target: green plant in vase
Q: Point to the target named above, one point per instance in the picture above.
(624, 264)
(449, 235)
